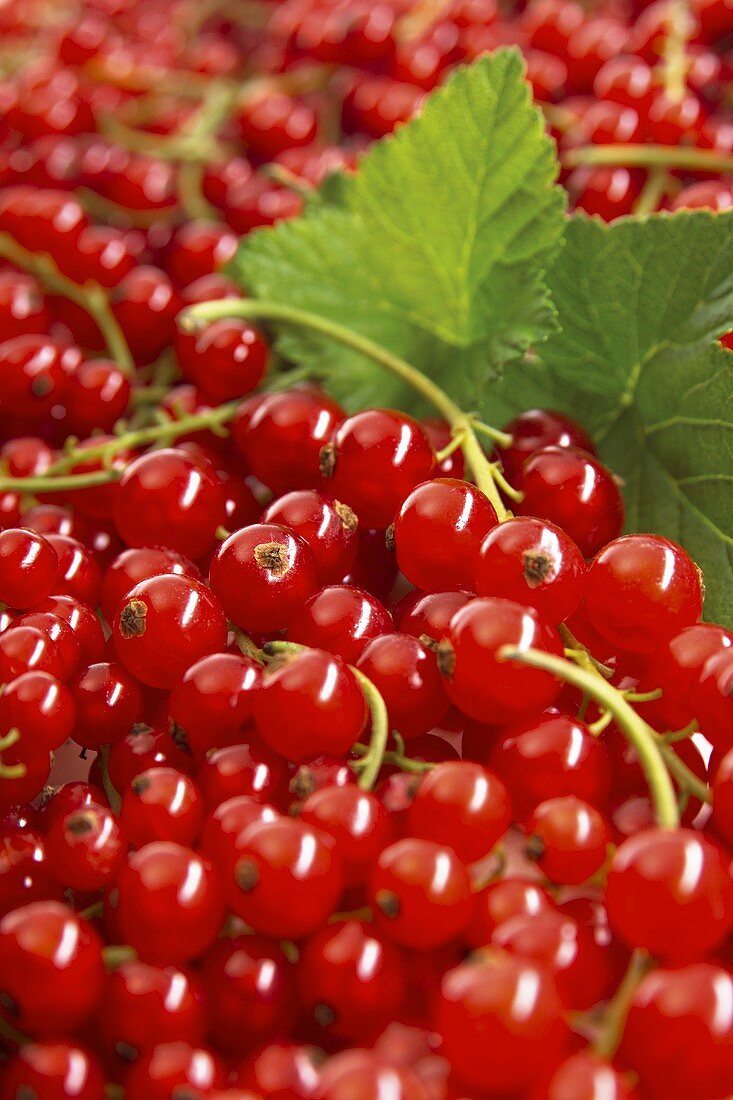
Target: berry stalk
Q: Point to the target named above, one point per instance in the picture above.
(91, 297)
(637, 731)
(461, 423)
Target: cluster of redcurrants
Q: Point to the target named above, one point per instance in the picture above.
(356, 70)
(271, 925)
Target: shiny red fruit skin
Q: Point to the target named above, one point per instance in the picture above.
(420, 893)
(287, 879)
(281, 1071)
(585, 1076)
(534, 563)
(215, 699)
(361, 1075)
(406, 675)
(551, 753)
(341, 619)
(29, 568)
(263, 574)
(145, 1005)
(280, 436)
(140, 563)
(50, 969)
(463, 805)
(250, 988)
(500, 902)
(678, 1032)
(168, 904)
(166, 624)
(357, 821)
(156, 1074)
(310, 703)
(481, 685)
(641, 590)
(568, 838)
(438, 532)
(575, 492)
(374, 460)
(329, 527)
(54, 1070)
(492, 1040)
(166, 498)
(653, 902)
(351, 981)
(161, 804)
(537, 428)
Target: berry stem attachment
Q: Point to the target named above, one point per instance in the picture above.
(398, 760)
(110, 790)
(682, 157)
(91, 297)
(461, 423)
(609, 1037)
(635, 729)
(373, 755)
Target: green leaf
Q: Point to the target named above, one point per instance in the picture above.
(641, 304)
(434, 249)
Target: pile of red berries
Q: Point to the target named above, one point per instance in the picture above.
(323, 776)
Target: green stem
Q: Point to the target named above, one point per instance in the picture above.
(211, 419)
(398, 760)
(115, 955)
(460, 422)
(674, 55)
(684, 776)
(91, 297)
(651, 156)
(655, 188)
(638, 733)
(110, 790)
(372, 759)
(65, 484)
(617, 1010)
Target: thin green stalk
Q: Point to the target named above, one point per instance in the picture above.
(657, 184)
(66, 483)
(397, 760)
(617, 1010)
(461, 423)
(687, 158)
(635, 729)
(91, 297)
(110, 790)
(674, 55)
(211, 419)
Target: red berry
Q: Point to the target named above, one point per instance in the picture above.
(463, 805)
(677, 1035)
(357, 822)
(161, 804)
(534, 563)
(406, 675)
(166, 624)
(328, 526)
(494, 1037)
(51, 972)
(641, 590)
(86, 848)
(287, 878)
(575, 492)
(374, 460)
(421, 893)
(215, 699)
(29, 567)
(568, 839)
(250, 987)
(175, 1069)
(262, 574)
(139, 564)
(310, 703)
(54, 1070)
(351, 981)
(167, 498)
(438, 531)
(500, 902)
(535, 429)
(341, 619)
(168, 903)
(670, 893)
(477, 681)
(145, 1005)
